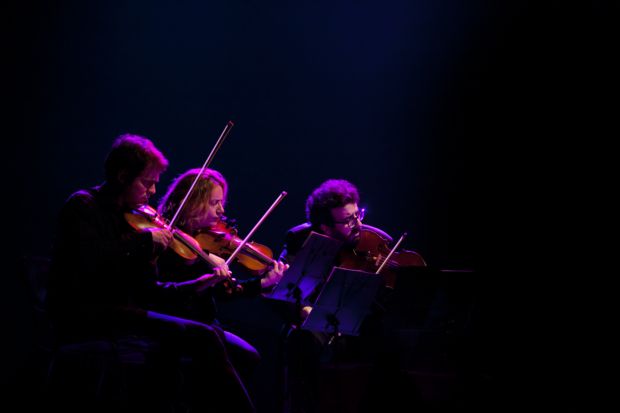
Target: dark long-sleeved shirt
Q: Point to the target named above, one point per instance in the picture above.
(174, 268)
(103, 273)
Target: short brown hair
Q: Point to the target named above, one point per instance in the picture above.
(132, 154)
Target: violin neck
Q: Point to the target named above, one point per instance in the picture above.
(257, 255)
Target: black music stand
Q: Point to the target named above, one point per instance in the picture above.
(344, 302)
(310, 268)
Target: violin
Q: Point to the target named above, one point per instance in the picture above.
(184, 245)
(146, 217)
(371, 251)
(222, 240)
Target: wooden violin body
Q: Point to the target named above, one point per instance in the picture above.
(146, 217)
(222, 240)
(371, 251)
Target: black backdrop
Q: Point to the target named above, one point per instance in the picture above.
(453, 118)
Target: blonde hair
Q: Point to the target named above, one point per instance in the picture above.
(195, 204)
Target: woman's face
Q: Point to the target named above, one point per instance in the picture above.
(213, 209)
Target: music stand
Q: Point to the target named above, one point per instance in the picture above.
(310, 268)
(344, 302)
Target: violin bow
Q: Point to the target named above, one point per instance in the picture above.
(208, 161)
(387, 259)
(260, 221)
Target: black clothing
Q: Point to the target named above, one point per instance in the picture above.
(103, 283)
(174, 268)
(103, 276)
(307, 350)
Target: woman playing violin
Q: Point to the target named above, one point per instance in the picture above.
(202, 216)
(103, 280)
(202, 212)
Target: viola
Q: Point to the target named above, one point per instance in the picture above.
(371, 251)
(222, 240)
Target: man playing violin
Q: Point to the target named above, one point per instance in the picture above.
(331, 209)
(203, 211)
(103, 280)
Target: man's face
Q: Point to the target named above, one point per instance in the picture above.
(346, 223)
(140, 189)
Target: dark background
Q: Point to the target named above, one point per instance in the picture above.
(467, 125)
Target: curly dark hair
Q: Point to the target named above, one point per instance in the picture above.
(332, 193)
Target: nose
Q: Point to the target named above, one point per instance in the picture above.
(151, 190)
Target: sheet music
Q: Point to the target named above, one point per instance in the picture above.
(311, 267)
(344, 302)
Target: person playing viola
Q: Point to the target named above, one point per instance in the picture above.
(203, 211)
(103, 280)
(332, 209)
